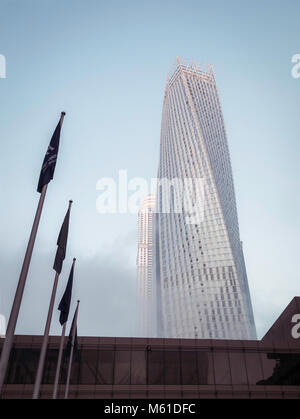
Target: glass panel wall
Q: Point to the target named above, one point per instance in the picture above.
(122, 367)
(172, 367)
(138, 367)
(238, 368)
(105, 367)
(221, 367)
(161, 367)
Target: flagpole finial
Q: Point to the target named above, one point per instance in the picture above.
(62, 115)
(70, 203)
(74, 259)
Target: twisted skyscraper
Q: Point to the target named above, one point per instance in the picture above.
(199, 269)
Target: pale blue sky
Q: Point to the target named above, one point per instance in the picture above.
(105, 63)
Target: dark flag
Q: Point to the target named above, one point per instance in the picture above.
(73, 330)
(62, 242)
(64, 305)
(49, 162)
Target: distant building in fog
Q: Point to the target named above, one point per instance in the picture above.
(145, 292)
(2, 325)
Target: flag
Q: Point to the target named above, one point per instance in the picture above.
(48, 166)
(62, 243)
(64, 305)
(73, 331)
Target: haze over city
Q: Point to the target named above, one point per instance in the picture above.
(89, 62)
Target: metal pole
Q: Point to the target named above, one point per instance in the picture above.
(19, 292)
(58, 366)
(71, 355)
(39, 374)
(40, 370)
(57, 374)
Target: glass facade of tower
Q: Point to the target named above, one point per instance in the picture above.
(202, 286)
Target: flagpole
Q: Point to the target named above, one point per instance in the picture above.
(13, 318)
(57, 374)
(71, 355)
(8, 342)
(40, 370)
(61, 346)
